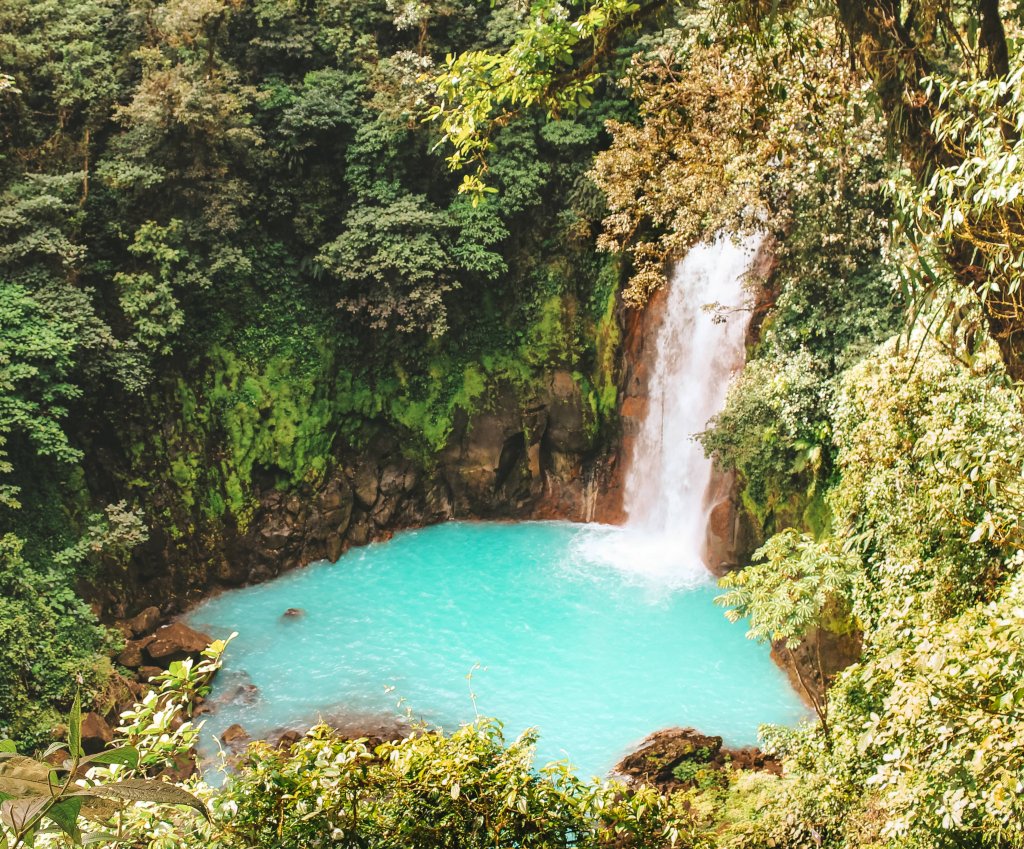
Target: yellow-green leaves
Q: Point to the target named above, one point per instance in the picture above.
(550, 65)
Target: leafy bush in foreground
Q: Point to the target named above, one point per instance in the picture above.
(431, 790)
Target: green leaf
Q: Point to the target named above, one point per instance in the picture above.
(97, 837)
(65, 814)
(75, 727)
(8, 746)
(54, 747)
(125, 755)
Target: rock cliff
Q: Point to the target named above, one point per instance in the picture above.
(520, 455)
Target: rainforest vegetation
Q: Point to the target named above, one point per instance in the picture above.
(239, 234)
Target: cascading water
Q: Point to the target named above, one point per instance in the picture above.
(697, 350)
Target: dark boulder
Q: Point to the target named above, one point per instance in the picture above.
(132, 654)
(96, 733)
(676, 758)
(367, 484)
(276, 536)
(144, 673)
(336, 505)
(144, 622)
(176, 642)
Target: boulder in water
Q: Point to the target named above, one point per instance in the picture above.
(235, 737)
(243, 692)
(675, 758)
(293, 613)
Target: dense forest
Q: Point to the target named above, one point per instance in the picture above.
(248, 244)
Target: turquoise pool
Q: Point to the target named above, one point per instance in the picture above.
(555, 636)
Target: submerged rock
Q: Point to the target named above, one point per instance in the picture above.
(293, 613)
(241, 692)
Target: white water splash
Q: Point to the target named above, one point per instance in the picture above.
(667, 481)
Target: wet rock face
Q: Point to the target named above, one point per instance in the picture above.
(637, 362)
(520, 455)
(678, 758)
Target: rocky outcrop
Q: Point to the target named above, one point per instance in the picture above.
(521, 455)
(813, 664)
(677, 758)
(152, 653)
(174, 642)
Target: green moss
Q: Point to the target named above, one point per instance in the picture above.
(545, 341)
(817, 517)
(270, 402)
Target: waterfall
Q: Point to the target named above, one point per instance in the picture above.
(697, 351)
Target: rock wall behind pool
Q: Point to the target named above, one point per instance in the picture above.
(536, 452)
(280, 480)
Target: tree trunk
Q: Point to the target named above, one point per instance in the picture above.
(885, 46)
(993, 38)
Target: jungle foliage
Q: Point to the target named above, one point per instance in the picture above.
(472, 788)
(235, 211)
(875, 430)
(229, 249)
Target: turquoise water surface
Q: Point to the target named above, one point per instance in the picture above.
(594, 656)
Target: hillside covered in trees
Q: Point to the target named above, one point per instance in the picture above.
(278, 277)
